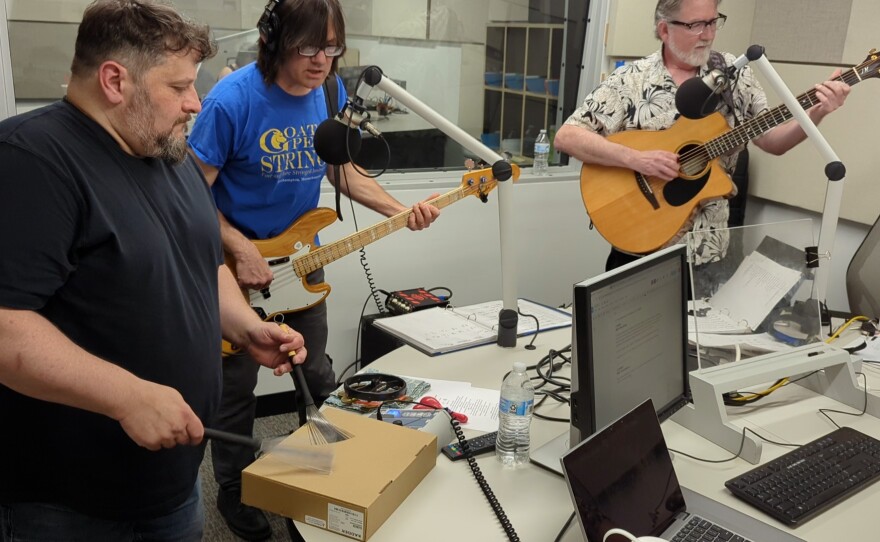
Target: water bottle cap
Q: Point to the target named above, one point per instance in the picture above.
(519, 366)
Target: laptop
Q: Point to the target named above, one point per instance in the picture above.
(622, 476)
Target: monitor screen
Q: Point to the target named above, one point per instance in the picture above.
(629, 341)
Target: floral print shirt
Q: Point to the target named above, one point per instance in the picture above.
(641, 96)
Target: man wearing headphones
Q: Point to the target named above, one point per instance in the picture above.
(254, 143)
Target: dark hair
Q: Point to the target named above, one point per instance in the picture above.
(136, 33)
(666, 10)
(301, 23)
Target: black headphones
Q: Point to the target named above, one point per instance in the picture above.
(269, 25)
(375, 387)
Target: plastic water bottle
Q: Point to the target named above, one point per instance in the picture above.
(514, 417)
(542, 153)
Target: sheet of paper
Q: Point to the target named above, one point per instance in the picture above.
(754, 289)
(703, 318)
(487, 314)
(751, 341)
(480, 405)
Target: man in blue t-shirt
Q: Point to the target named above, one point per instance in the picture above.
(254, 140)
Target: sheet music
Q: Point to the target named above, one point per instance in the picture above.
(742, 303)
(439, 330)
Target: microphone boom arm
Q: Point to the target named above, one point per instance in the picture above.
(501, 169)
(834, 169)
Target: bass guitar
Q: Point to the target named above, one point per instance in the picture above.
(292, 255)
(639, 214)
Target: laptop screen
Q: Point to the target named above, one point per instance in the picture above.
(622, 476)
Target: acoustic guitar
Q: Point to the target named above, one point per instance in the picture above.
(639, 214)
(292, 255)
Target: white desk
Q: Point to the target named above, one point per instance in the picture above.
(449, 505)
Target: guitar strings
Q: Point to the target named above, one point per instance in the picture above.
(702, 154)
(296, 269)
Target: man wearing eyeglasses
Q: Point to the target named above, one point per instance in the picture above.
(254, 140)
(641, 96)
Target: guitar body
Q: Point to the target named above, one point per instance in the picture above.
(281, 253)
(639, 223)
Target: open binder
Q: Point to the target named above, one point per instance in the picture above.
(439, 330)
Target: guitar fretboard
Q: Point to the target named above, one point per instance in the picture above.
(331, 252)
(695, 159)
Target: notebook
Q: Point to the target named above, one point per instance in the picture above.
(622, 476)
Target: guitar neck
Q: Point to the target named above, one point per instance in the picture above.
(761, 124)
(329, 253)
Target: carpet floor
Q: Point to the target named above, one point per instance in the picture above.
(215, 527)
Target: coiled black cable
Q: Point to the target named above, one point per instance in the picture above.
(475, 469)
(483, 483)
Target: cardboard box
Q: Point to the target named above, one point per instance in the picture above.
(373, 472)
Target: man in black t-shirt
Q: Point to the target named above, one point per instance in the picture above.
(113, 293)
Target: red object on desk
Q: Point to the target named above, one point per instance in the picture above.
(428, 402)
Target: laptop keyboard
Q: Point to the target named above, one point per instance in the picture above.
(698, 529)
(810, 479)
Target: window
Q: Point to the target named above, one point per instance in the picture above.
(499, 69)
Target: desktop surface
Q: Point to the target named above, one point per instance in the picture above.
(448, 502)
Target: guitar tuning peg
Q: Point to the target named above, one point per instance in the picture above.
(469, 164)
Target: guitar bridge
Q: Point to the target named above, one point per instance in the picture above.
(646, 190)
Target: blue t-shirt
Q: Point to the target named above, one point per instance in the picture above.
(262, 140)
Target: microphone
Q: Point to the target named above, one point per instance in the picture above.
(334, 142)
(699, 96)
(331, 135)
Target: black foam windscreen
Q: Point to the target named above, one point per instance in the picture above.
(330, 143)
(695, 100)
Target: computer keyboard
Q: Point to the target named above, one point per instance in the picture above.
(804, 482)
(698, 529)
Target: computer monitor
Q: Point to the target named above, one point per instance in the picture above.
(629, 343)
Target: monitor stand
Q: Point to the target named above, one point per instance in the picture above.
(548, 455)
(707, 416)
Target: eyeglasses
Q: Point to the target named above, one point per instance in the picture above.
(329, 50)
(698, 27)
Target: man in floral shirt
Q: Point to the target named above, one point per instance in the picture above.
(641, 96)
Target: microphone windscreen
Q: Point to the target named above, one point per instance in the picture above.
(330, 142)
(695, 100)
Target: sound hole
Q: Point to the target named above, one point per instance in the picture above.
(692, 160)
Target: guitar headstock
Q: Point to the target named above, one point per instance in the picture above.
(480, 182)
(870, 67)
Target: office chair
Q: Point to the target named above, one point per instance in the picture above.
(863, 276)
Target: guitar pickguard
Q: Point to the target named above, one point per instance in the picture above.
(287, 292)
(678, 191)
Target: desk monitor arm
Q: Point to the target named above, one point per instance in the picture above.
(502, 171)
(707, 414)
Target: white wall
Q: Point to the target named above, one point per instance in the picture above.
(555, 249)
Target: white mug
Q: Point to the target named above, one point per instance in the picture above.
(630, 537)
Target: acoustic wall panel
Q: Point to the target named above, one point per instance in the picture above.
(797, 31)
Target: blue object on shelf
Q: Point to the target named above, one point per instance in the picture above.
(535, 83)
(491, 140)
(493, 79)
(513, 81)
(553, 87)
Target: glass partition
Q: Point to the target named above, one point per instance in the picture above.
(756, 299)
(500, 69)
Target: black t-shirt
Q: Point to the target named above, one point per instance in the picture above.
(121, 254)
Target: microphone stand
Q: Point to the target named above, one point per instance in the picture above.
(835, 171)
(501, 170)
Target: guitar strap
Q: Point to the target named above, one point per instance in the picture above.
(331, 95)
(716, 61)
